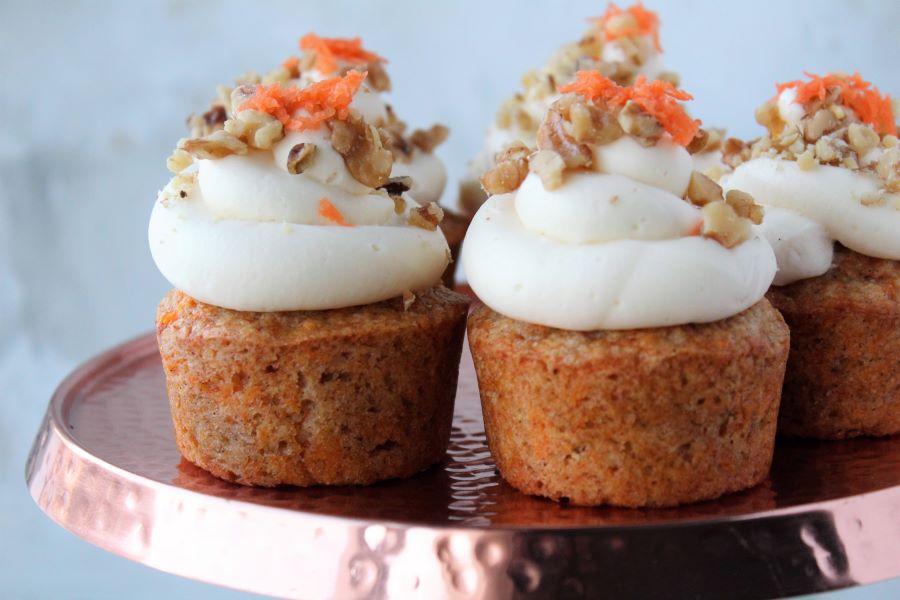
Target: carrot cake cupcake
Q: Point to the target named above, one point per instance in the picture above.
(828, 170)
(621, 44)
(626, 354)
(308, 339)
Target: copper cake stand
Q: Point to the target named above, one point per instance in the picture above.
(105, 467)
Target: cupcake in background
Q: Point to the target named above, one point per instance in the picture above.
(622, 45)
(308, 339)
(828, 171)
(625, 353)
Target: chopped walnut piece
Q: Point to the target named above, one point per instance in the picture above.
(277, 75)
(300, 157)
(368, 161)
(670, 76)
(240, 95)
(179, 161)
(744, 205)
(427, 140)
(822, 122)
(427, 217)
(767, 115)
(888, 168)
(722, 223)
(698, 144)
(640, 124)
(218, 144)
(806, 160)
(258, 129)
(399, 205)
(826, 151)
(734, 152)
(183, 184)
(378, 77)
(552, 135)
(549, 166)
(395, 186)
(862, 138)
(872, 199)
(592, 125)
(702, 190)
(508, 172)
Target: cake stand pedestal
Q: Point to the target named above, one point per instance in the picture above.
(105, 467)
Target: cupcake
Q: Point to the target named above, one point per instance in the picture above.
(308, 339)
(625, 352)
(828, 171)
(416, 166)
(622, 44)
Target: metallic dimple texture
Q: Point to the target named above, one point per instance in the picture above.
(104, 465)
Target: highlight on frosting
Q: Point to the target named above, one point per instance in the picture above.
(828, 168)
(633, 21)
(328, 51)
(286, 197)
(605, 215)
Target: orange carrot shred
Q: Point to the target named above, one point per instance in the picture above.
(329, 211)
(659, 98)
(167, 318)
(329, 98)
(330, 50)
(647, 23)
(291, 63)
(854, 92)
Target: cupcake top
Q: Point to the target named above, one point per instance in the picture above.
(287, 197)
(605, 225)
(621, 44)
(829, 168)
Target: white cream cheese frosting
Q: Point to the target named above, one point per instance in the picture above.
(611, 249)
(828, 196)
(249, 236)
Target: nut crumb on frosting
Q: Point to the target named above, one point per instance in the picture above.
(359, 143)
(427, 217)
(509, 170)
(299, 157)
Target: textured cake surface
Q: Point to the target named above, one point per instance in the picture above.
(346, 396)
(650, 417)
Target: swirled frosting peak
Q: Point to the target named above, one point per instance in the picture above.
(286, 200)
(606, 226)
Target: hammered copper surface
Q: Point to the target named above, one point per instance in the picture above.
(106, 467)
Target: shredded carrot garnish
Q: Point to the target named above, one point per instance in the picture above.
(855, 93)
(330, 50)
(647, 23)
(291, 63)
(167, 318)
(659, 98)
(320, 101)
(329, 211)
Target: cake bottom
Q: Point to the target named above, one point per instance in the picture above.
(637, 418)
(843, 375)
(346, 396)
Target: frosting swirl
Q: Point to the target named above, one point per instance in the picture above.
(243, 232)
(611, 248)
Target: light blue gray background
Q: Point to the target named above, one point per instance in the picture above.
(94, 95)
